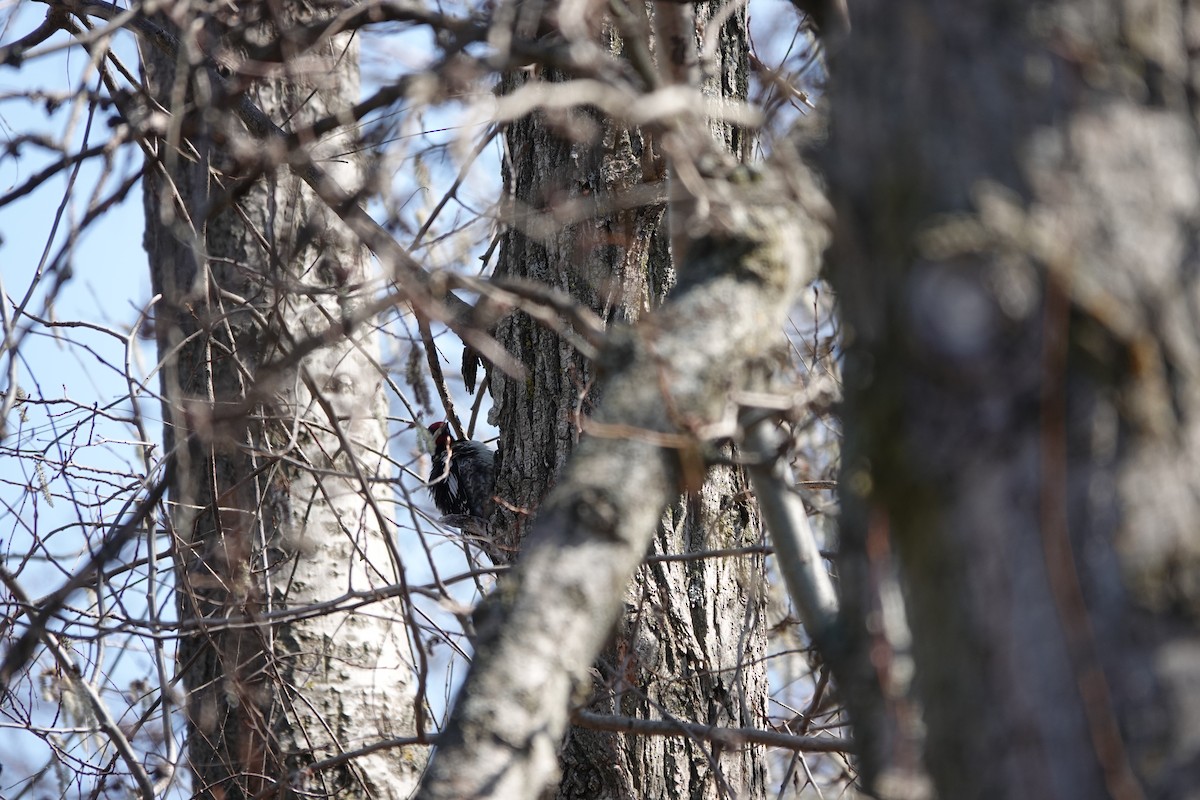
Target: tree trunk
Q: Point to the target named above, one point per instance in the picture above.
(280, 496)
(691, 643)
(1018, 210)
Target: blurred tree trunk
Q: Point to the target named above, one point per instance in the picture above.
(279, 502)
(1018, 213)
(691, 644)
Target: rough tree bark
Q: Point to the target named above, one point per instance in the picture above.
(1016, 253)
(279, 501)
(690, 643)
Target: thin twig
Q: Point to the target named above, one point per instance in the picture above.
(728, 737)
(67, 664)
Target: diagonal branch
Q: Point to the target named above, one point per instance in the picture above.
(800, 562)
(20, 652)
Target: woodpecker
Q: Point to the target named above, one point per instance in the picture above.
(463, 474)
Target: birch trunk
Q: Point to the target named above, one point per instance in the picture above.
(281, 501)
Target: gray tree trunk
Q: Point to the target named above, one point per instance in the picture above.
(691, 643)
(1018, 209)
(280, 501)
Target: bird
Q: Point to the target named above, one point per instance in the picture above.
(463, 476)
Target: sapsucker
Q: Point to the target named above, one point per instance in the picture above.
(463, 476)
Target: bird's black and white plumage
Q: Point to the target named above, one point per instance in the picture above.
(463, 476)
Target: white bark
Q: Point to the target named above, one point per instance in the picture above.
(281, 504)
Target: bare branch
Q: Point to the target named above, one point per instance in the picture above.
(21, 651)
(420, 289)
(105, 720)
(726, 737)
(799, 558)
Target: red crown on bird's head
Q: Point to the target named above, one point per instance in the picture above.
(440, 431)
